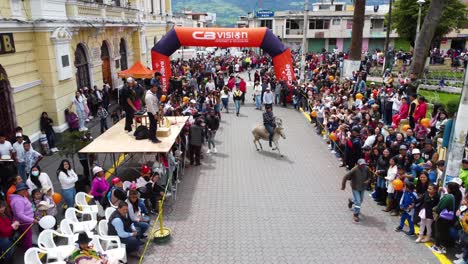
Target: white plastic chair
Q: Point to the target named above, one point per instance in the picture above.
(46, 242)
(82, 203)
(109, 211)
(80, 226)
(118, 252)
(66, 228)
(31, 256)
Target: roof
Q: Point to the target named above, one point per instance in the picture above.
(137, 71)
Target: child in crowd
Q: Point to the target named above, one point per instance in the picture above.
(102, 114)
(429, 200)
(407, 203)
(47, 197)
(44, 143)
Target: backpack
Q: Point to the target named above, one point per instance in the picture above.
(141, 132)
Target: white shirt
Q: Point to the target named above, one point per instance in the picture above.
(44, 179)
(19, 150)
(210, 86)
(68, 182)
(152, 103)
(391, 173)
(268, 98)
(236, 67)
(5, 148)
(257, 89)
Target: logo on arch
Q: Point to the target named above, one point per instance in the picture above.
(221, 36)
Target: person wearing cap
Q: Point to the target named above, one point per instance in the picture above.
(237, 96)
(18, 149)
(119, 224)
(127, 96)
(23, 211)
(359, 177)
(99, 186)
(116, 192)
(152, 108)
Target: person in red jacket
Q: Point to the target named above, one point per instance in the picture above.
(421, 109)
(7, 228)
(243, 89)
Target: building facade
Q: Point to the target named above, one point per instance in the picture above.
(330, 26)
(51, 48)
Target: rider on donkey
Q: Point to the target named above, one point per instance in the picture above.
(269, 122)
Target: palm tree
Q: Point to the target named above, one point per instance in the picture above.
(425, 36)
(358, 25)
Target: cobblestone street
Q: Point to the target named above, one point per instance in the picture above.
(244, 206)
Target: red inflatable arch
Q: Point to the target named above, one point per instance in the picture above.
(222, 37)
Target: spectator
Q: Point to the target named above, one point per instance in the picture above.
(23, 211)
(46, 126)
(19, 156)
(136, 213)
(72, 120)
(31, 157)
(7, 229)
(195, 141)
(99, 186)
(67, 178)
(38, 179)
(119, 224)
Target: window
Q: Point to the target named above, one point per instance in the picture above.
(339, 8)
(266, 23)
(324, 7)
(332, 42)
(292, 24)
(65, 61)
(336, 22)
(349, 24)
(377, 24)
(319, 24)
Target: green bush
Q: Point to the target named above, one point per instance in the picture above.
(452, 106)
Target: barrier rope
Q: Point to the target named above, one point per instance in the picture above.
(16, 241)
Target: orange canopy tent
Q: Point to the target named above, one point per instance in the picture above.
(137, 71)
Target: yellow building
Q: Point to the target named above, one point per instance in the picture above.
(50, 48)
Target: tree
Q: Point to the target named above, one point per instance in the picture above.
(358, 25)
(426, 33)
(405, 17)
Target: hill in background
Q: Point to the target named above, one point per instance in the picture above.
(228, 11)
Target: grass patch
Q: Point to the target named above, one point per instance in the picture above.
(435, 97)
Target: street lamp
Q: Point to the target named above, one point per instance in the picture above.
(420, 3)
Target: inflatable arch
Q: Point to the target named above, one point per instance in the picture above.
(222, 37)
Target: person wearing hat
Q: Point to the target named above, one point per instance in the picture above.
(417, 165)
(152, 108)
(116, 192)
(23, 211)
(268, 97)
(85, 254)
(119, 224)
(99, 186)
(359, 177)
(127, 97)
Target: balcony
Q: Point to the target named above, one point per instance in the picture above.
(294, 33)
(98, 10)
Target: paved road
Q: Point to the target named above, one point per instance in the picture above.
(244, 206)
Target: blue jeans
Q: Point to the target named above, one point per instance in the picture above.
(225, 102)
(211, 136)
(69, 196)
(270, 130)
(132, 244)
(5, 243)
(81, 118)
(142, 206)
(258, 102)
(406, 216)
(358, 198)
(22, 171)
(277, 98)
(381, 183)
(237, 103)
(141, 228)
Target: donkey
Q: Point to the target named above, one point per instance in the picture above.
(259, 132)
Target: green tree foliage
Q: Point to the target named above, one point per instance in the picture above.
(405, 17)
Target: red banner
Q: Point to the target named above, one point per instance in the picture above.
(220, 37)
(284, 69)
(162, 64)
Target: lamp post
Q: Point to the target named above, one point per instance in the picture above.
(420, 3)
